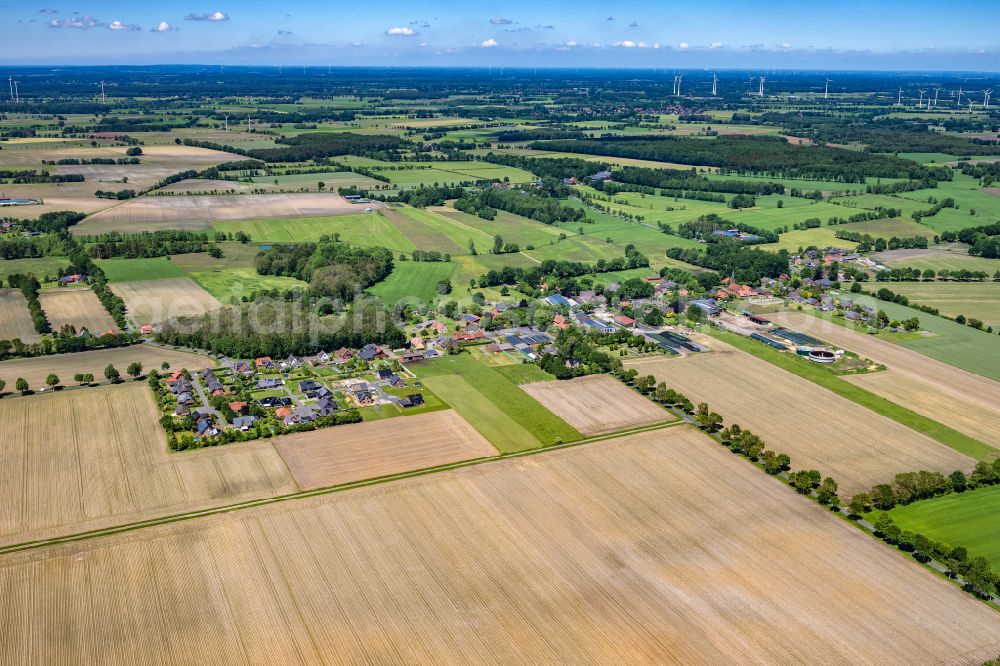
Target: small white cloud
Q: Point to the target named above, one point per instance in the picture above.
(627, 44)
(163, 26)
(210, 16)
(123, 27)
(401, 32)
(683, 46)
(357, 45)
(786, 45)
(488, 43)
(715, 45)
(76, 22)
(497, 20)
(570, 43)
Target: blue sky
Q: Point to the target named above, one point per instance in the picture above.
(847, 34)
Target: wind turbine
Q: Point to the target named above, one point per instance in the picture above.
(762, 79)
(826, 90)
(10, 80)
(679, 78)
(959, 104)
(104, 99)
(920, 102)
(17, 95)
(751, 85)
(936, 91)
(715, 83)
(899, 101)
(226, 118)
(986, 98)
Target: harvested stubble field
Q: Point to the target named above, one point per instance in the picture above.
(597, 404)
(359, 451)
(196, 212)
(15, 320)
(961, 400)
(35, 370)
(77, 307)
(154, 301)
(615, 552)
(86, 459)
(817, 428)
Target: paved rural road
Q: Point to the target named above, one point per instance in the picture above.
(205, 407)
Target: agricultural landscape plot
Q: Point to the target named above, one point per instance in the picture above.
(379, 448)
(85, 459)
(35, 370)
(154, 301)
(77, 307)
(966, 402)
(198, 212)
(973, 300)
(597, 404)
(15, 320)
(815, 427)
(597, 553)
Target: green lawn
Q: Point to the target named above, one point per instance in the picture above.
(413, 279)
(824, 377)
(966, 519)
(494, 404)
(42, 268)
(134, 270)
(228, 282)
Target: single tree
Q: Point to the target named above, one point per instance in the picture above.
(111, 373)
(52, 381)
(134, 369)
(21, 385)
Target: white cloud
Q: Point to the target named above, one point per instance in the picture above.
(488, 43)
(627, 44)
(77, 22)
(786, 45)
(125, 27)
(210, 16)
(683, 46)
(715, 45)
(497, 20)
(570, 43)
(401, 32)
(163, 26)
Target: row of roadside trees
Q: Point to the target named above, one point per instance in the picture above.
(111, 374)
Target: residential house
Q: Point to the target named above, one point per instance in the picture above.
(343, 354)
(412, 400)
(560, 300)
(182, 409)
(417, 343)
(264, 363)
(185, 399)
(623, 320)
(411, 355)
(326, 407)
(560, 322)
(371, 352)
(244, 423)
(239, 407)
(384, 373)
(269, 383)
(310, 387)
(271, 403)
(396, 381)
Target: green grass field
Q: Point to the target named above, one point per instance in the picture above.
(360, 229)
(979, 300)
(946, 256)
(238, 282)
(412, 279)
(494, 404)
(966, 519)
(42, 268)
(134, 270)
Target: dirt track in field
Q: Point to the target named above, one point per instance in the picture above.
(596, 404)
(660, 548)
(961, 400)
(331, 456)
(78, 307)
(817, 428)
